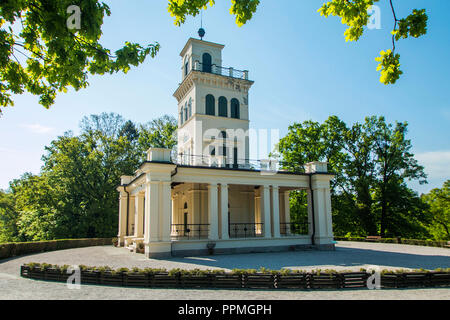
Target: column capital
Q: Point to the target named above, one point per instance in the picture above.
(212, 186)
(123, 195)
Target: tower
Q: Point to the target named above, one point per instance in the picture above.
(213, 108)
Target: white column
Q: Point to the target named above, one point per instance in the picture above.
(287, 212)
(151, 212)
(213, 212)
(139, 215)
(309, 208)
(131, 216)
(122, 218)
(174, 219)
(224, 210)
(166, 210)
(265, 208)
(322, 214)
(287, 207)
(276, 211)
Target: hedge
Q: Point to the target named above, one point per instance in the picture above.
(11, 249)
(238, 279)
(417, 242)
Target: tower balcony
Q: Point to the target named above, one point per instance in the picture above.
(219, 70)
(227, 162)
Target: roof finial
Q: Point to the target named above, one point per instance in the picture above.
(201, 31)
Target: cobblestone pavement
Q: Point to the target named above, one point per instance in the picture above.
(348, 256)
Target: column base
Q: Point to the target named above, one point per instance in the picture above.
(324, 241)
(158, 250)
(120, 241)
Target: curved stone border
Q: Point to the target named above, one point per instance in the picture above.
(414, 242)
(239, 279)
(12, 249)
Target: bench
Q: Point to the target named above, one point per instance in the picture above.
(373, 238)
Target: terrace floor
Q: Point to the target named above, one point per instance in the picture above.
(348, 256)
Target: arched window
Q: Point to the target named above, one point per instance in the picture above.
(190, 107)
(206, 63)
(185, 112)
(181, 116)
(235, 108)
(223, 107)
(210, 105)
(186, 67)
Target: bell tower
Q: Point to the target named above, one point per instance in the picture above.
(213, 108)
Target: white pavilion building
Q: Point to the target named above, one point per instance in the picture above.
(209, 197)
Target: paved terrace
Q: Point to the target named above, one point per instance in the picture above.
(348, 256)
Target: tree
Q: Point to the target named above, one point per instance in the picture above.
(35, 203)
(42, 50)
(75, 194)
(360, 174)
(371, 162)
(8, 217)
(354, 13)
(158, 133)
(242, 9)
(438, 200)
(394, 162)
(86, 170)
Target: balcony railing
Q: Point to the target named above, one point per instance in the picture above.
(214, 69)
(269, 165)
(294, 228)
(245, 230)
(189, 231)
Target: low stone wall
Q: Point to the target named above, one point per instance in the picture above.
(12, 249)
(417, 242)
(237, 279)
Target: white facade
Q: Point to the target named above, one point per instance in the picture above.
(211, 100)
(210, 198)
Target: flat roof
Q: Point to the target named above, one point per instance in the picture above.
(213, 44)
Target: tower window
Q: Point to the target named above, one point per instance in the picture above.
(235, 112)
(223, 135)
(223, 107)
(210, 105)
(186, 68)
(190, 107)
(206, 63)
(185, 112)
(181, 116)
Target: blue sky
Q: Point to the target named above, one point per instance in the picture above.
(302, 67)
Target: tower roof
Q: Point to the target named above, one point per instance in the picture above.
(193, 40)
